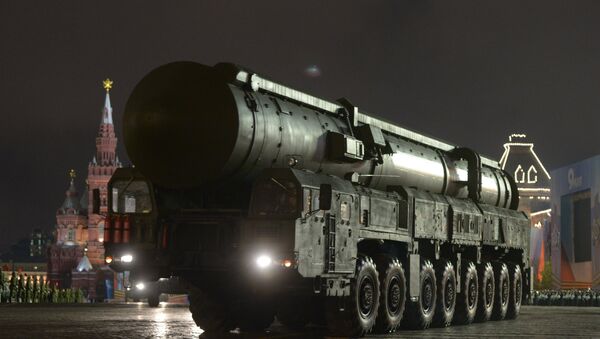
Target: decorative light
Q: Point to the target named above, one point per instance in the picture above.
(517, 135)
(541, 212)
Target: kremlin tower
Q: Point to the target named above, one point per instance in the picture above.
(100, 169)
(78, 253)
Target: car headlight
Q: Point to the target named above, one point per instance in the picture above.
(263, 261)
(140, 286)
(127, 258)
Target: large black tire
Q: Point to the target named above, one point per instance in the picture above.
(486, 292)
(208, 314)
(446, 295)
(354, 316)
(295, 313)
(318, 315)
(255, 314)
(154, 300)
(516, 292)
(392, 282)
(419, 314)
(502, 291)
(466, 301)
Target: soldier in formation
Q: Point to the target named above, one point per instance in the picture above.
(21, 289)
(587, 297)
(43, 290)
(28, 288)
(12, 287)
(55, 291)
(35, 290)
(3, 287)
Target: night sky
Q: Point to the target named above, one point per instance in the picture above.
(470, 72)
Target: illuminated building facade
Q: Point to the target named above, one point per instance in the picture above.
(575, 233)
(534, 183)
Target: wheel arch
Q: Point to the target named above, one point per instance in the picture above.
(376, 248)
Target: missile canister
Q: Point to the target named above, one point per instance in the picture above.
(189, 125)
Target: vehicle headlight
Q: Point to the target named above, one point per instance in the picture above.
(140, 286)
(263, 261)
(127, 258)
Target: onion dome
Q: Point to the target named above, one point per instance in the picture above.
(71, 205)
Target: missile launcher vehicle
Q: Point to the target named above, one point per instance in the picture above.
(271, 202)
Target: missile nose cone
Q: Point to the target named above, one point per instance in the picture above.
(180, 124)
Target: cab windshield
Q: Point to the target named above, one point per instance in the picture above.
(275, 197)
(131, 196)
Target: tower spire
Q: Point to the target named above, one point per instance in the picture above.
(107, 110)
(72, 191)
(106, 142)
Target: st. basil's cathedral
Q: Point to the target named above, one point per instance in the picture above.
(76, 258)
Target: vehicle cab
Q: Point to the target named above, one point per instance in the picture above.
(130, 231)
(303, 222)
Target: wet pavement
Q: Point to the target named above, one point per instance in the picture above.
(137, 320)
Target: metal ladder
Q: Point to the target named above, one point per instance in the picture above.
(330, 229)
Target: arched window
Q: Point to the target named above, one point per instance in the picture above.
(520, 175)
(71, 234)
(101, 231)
(531, 175)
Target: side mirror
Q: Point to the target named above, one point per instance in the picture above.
(325, 197)
(96, 201)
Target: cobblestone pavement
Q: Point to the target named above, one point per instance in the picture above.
(136, 320)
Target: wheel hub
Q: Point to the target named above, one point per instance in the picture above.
(504, 296)
(366, 297)
(489, 293)
(449, 296)
(394, 295)
(427, 295)
(472, 293)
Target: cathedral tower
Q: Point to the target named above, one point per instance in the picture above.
(71, 236)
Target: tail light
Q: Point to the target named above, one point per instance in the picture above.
(117, 230)
(107, 229)
(126, 230)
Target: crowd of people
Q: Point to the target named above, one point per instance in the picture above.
(23, 288)
(587, 297)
